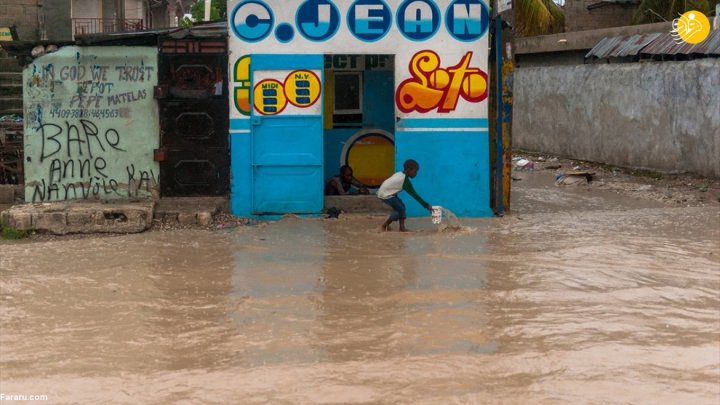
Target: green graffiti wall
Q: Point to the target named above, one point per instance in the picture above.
(91, 124)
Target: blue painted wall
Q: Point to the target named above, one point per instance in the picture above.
(454, 165)
(240, 163)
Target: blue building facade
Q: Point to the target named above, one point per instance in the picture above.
(317, 83)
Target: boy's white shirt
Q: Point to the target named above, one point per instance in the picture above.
(391, 186)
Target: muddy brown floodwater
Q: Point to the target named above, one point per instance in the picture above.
(579, 297)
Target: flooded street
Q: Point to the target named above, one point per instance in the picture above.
(606, 301)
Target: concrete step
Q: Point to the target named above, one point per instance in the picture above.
(89, 216)
(10, 64)
(369, 204)
(11, 111)
(11, 78)
(65, 217)
(188, 211)
(11, 105)
(11, 90)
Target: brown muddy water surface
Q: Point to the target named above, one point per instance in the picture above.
(603, 302)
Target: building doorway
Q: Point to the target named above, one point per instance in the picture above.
(192, 97)
(359, 116)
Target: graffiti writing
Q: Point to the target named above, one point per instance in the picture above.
(76, 137)
(96, 93)
(98, 73)
(96, 187)
(88, 113)
(97, 101)
(78, 168)
(138, 180)
(91, 123)
(60, 170)
(432, 87)
(134, 73)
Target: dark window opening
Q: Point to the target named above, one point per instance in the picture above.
(348, 99)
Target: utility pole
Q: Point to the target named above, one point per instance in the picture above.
(504, 38)
(208, 6)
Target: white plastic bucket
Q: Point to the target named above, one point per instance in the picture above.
(436, 214)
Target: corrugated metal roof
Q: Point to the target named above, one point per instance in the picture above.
(618, 47)
(216, 29)
(203, 30)
(665, 45)
(658, 43)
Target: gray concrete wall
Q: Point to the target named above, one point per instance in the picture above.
(58, 23)
(24, 15)
(662, 116)
(32, 16)
(579, 18)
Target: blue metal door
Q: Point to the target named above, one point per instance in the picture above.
(287, 134)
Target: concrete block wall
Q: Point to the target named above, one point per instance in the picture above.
(579, 18)
(661, 116)
(24, 15)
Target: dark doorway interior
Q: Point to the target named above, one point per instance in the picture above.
(193, 100)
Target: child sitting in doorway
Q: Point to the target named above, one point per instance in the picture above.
(343, 184)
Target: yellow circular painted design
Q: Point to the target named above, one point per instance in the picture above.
(692, 27)
(302, 88)
(269, 97)
(372, 159)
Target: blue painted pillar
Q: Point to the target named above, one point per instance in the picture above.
(499, 152)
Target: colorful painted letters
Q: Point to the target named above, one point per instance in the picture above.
(434, 87)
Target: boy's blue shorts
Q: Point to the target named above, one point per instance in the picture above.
(398, 208)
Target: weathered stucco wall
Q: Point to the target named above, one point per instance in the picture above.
(660, 116)
(24, 15)
(91, 124)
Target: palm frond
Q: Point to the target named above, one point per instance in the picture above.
(538, 17)
(650, 11)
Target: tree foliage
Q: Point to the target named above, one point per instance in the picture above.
(538, 17)
(218, 10)
(651, 11)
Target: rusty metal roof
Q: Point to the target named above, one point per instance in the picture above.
(665, 45)
(658, 43)
(201, 30)
(618, 47)
(216, 29)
